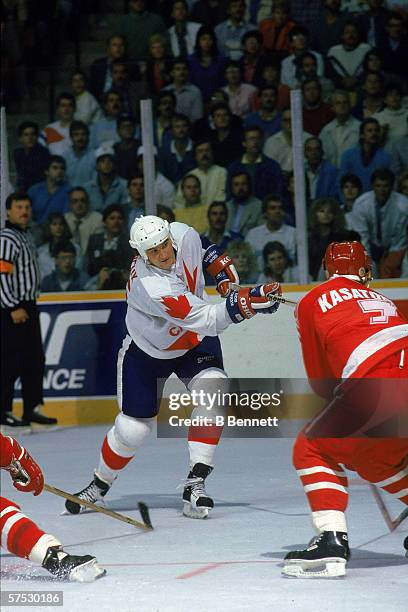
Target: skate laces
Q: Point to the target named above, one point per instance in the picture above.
(196, 483)
(91, 494)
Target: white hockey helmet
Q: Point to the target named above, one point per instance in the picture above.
(148, 232)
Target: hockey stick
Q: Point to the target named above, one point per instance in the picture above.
(280, 299)
(392, 524)
(143, 509)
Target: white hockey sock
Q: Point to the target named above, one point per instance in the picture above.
(39, 550)
(329, 520)
(201, 453)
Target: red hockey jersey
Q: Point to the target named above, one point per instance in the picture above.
(346, 329)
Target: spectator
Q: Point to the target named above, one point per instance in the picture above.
(306, 13)
(367, 156)
(240, 95)
(299, 40)
(194, 211)
(163, 189)
(87, 108)
(230, 31)
(55, 135)
(395, 264)
(137, 26)
(373, 22)
(226, 135)
(126, 150)
(320, 174)
(277, 265)
(316, 113)
(50, 195)
(202, 128)
(188, 96)
(178, 158)
(244, 210)
(79, 157)
(106, 187)
(264, 172)
(276, 29)
(372, 99)
(273, 229)
(345, 60)
(325, 220)
(166, 213)
(306, 68)
(31, 159)
(400, 154)
(252, 58)
(373, 62)
(209, 12)
(394, 46)
(343, 132)
(270, 75)
(166, 107)
(130, 92)
(380, 216)
(65, 277)
(56, 230)
(244, 261)
(105, 130)
(136, 201)
(327, 30)
(350, 190)
(81, 220)
(393, 119)
(110, 245)
(183, 33)
(158, 65)
(212, 177)
(267, 117)
(100, 80)
(206, 63)
(216, 232)
(279, 146)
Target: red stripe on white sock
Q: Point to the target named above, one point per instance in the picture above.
(112, 459)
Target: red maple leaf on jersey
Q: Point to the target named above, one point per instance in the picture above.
(177, 307)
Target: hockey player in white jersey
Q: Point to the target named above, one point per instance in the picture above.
(172, 329)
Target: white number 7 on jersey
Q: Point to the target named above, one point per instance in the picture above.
(385, 310)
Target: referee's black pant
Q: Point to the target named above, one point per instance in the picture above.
(22, 356)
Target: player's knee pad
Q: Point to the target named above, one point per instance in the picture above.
(131, 432)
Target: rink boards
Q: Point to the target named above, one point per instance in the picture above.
(82, 333)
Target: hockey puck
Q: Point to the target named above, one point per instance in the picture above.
(406, 543)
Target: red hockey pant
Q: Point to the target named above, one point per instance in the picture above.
(18, 533)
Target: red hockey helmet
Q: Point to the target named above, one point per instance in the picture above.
(348, 258)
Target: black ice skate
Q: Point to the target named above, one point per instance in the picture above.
(71, 567)
(325, 557)
(197, 503)
(36, 418)
(94, 493)
(13, 425)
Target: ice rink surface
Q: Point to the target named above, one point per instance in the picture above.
(231, 561)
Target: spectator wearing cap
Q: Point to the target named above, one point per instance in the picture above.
(106, 187)
(268, 118)
(105, 130)
(110, 245)
(393, 119)
(31, 158)
(176, 159)
(229, 32)
(79, 158)
(380, 216)
(342, 132)
(87, 108)
(188, 97)
(299, 40)
(320, 174)
(367, 156)
(51, 195)
(225, 135)
(65, 277)
(126, 149)
(163, 189)
(240, 95)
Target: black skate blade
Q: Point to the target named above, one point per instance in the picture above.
(145, 514)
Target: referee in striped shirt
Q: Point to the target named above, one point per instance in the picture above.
(22, 353)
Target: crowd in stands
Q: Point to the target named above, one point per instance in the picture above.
(220, 74)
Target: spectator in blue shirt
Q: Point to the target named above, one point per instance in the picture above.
(267, 117)
(367, 156)
(321, 175)
(80, 158)
(51, 195)
(106, 187)
(66, 277)
(31, 159)
(230, 31)
(105, 130)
